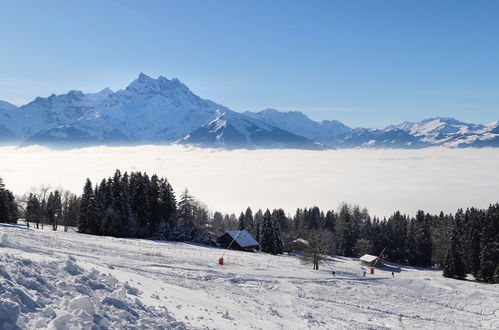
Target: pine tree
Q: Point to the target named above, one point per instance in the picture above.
(50, 212)
(258, 219)
(186, 210)
(267, 243)
(455, 258)
(330, 221)
(277, 223)
(345, 230)
(474, 236)
(88, 219)
(248, 220)
(140, 203)
(241, 223)
(168, 204)
(489, 256)
(8, 206)
(155, 205)
(32, 210)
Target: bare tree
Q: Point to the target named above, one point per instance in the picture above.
(320, 245)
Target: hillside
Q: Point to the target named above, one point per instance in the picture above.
(146, 283)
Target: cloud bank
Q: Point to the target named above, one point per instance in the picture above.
(431, 179)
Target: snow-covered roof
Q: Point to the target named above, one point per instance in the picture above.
(368, 258)
(243, 238)
(302, 241)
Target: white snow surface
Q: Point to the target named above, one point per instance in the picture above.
(60, 280)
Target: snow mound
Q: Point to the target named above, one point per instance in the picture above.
(63, 295)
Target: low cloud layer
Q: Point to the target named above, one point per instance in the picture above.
(431, 179)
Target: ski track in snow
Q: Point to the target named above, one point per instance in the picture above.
(176, 285)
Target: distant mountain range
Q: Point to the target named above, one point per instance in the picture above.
(163, 111)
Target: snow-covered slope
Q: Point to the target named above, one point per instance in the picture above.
(298, 123)
(6, 133)
(57, 280)
(234, 130)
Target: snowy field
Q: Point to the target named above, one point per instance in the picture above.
(63, 280)
(432, 179)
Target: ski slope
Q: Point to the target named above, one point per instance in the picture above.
(61, 280)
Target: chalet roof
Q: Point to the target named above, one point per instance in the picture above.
(243, 238)
(368, 258)
(302, 241)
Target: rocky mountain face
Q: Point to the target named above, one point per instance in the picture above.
(164, 111)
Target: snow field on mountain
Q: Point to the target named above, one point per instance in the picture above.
(59, 279)
(383, 181)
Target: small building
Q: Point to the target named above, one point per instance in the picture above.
(370, 261)
(238, 240)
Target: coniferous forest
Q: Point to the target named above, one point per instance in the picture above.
(136, 205)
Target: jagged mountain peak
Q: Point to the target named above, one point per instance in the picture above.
(144, 84)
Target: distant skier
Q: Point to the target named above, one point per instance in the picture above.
(364, 275)
(393, 275)
(334, 274)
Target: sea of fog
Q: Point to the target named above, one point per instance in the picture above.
(383, 181)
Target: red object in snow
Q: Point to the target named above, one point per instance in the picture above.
(221, 261)
(372, 271)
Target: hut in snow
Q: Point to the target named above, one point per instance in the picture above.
(238, 240)
(371, 261)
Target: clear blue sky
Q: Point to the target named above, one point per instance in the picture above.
(366, 63)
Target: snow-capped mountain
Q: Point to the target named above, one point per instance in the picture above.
(451, 132)
(163, 111)
(235, 130)
(298, 123)
(376, 138)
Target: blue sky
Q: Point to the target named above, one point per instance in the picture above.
(366, 63)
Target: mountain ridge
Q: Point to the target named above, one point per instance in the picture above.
(165, 111)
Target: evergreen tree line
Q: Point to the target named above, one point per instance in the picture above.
(124, 205)
(136, 205)
(9, 212)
